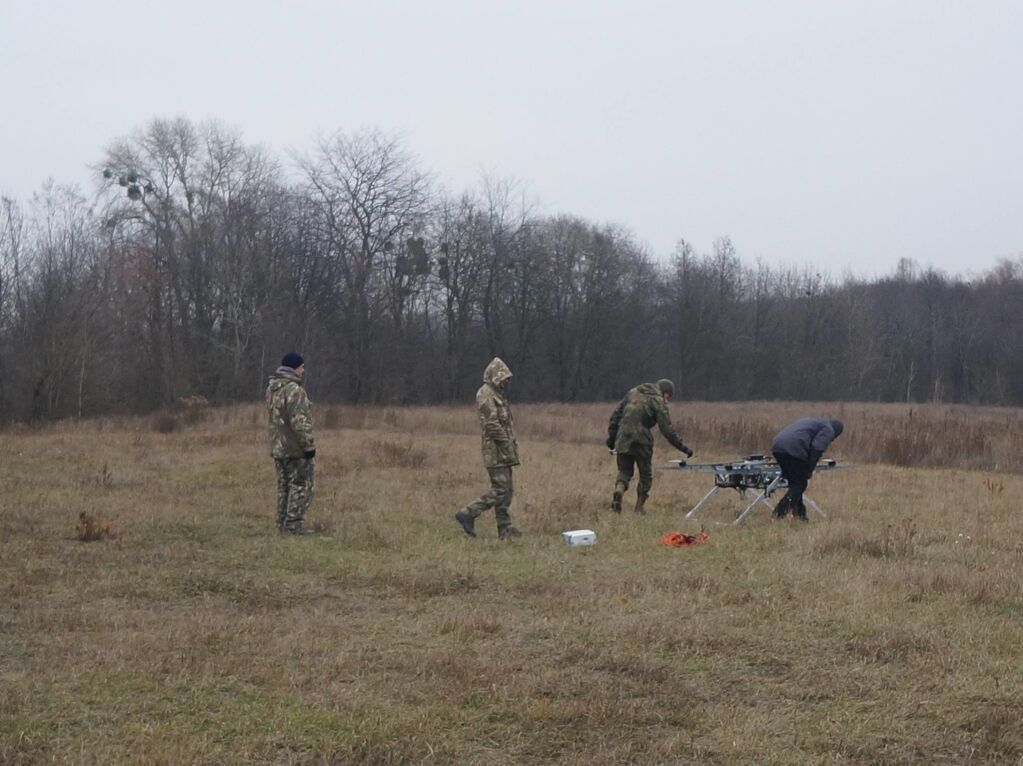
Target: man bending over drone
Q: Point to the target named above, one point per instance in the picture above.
(798, 448)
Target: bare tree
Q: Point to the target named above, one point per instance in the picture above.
(371, 199)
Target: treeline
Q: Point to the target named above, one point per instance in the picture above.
(199, 259)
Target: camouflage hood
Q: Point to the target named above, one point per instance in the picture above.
(289, 423)
(282, 376)
(499, 446)
(497, 373)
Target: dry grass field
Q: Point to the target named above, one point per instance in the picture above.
(190, 632)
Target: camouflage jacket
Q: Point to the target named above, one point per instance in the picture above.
(499, 446)
(629, 428)
(290, 424)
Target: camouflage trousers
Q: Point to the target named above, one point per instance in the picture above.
(294, 490)
(628, 462)
(498, 497)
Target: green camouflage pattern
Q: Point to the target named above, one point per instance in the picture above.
(498, 497)
(628, 462)
(290, 422)
(628, 431)
(295, 483)
(498, 431)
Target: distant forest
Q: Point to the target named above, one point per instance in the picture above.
(199, 259)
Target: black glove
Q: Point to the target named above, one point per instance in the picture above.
(686, 451)
(610, 444)
(310, 454)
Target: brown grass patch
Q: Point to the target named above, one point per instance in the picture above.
(91, 528)
(388, 454)
(165, 422)
(887, 633)
(893, 646)
(472, 627)
(898, 540)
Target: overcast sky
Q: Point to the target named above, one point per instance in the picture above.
(842, 134)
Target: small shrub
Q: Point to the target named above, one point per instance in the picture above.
(91, 528)
(165, 422)
(193, 409)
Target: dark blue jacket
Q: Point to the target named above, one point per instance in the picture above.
(806, 436)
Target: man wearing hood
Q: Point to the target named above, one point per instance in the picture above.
(500, 453)
(629, 437)
(798, 449)
(290, 436)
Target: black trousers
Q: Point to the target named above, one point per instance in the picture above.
(797, 473)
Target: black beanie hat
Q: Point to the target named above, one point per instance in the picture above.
(292, 360)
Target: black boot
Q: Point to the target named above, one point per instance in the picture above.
(800, 512)
(782, 509)
(616, 497)
(467, 522)
(508, 533)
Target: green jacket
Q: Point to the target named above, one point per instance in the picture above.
(499, 446)
(628, 431)
(290, 423)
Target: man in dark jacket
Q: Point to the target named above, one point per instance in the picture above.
(798, 449)
(290, 438)
(629, 437)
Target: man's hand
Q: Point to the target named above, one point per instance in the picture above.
(686, 451)
(310, 454)
(815, 457)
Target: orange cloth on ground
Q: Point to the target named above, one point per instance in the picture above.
(681, 540)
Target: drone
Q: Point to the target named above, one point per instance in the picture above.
(760, 473)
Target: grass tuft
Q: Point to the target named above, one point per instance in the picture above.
(91, 529)
(388, 454)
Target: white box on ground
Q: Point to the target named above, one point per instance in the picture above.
(580, 537)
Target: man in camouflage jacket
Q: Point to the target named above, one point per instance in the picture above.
(290, 437)
(629, 437)
(500, 453)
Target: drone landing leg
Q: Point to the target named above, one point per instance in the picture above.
(815, 506)
(760, 499)
(699, 505)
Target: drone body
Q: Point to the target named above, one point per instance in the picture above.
(753, 472)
